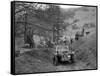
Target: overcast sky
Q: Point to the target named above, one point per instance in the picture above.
(69, 6)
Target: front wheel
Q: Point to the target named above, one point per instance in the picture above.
(55, 60)
(72, 58)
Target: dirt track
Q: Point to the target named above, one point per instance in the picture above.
(30, 64)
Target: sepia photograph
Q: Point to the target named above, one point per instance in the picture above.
(52, 37)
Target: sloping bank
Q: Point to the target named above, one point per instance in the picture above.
(86, 50)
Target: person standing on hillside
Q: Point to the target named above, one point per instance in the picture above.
(29, 38)
(76, 36)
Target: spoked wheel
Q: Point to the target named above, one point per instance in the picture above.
(72, 58)
(55, 60)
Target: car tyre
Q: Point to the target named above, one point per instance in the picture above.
(72, 58)
(55, 60)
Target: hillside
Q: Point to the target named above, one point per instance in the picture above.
(78, 18)
(41, 60)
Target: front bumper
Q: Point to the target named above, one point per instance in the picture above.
(65, 57)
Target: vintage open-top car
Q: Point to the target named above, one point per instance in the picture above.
(63, 54)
